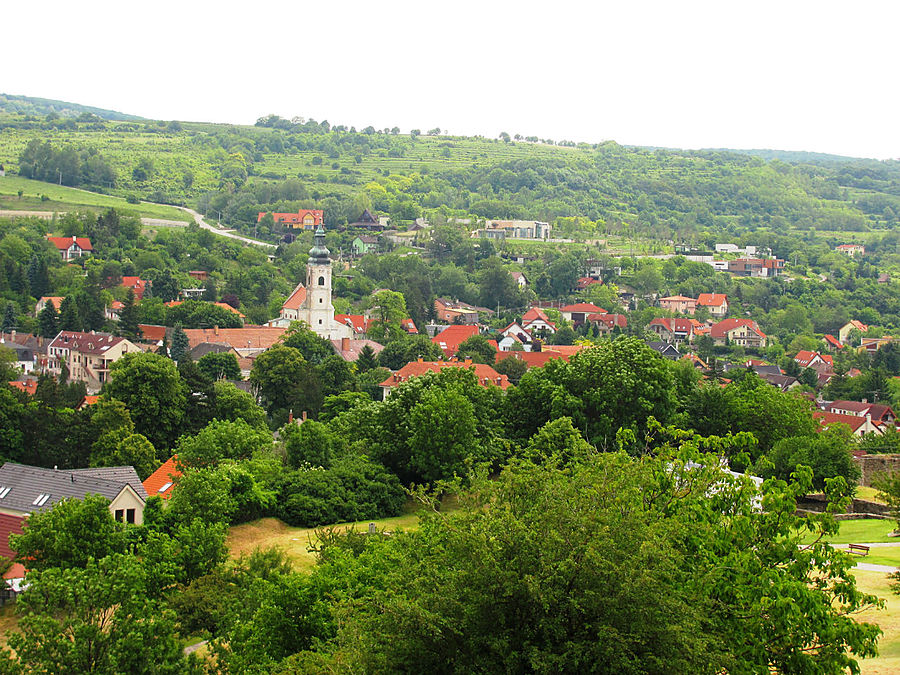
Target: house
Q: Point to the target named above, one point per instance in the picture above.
(514, 334)
(364, 244)
(520, 279)
(162, 481)
(832, 342)
(808, 359)
(367, 222)
(222, 305)
(349, 349)
(56, 301)
(741, 332)
(859, 426)
(584, 282)
(606, 323)
(782, 382)
(71, 248)
(878, 412)
(88, 401)
(872, 345)
(29, 349)
(679, 303)
(138, 285)
(514, 229)
(199, 275)
(849, 327)
(579, 312)
(674, 331)
(30, 489)
(112, 312)
(452, 337)
(487, 376)
(87, 356)
(534, 359)
(715, 303)
(756, 267)
(535, 321)
(304, 219)
(453, 311)
(358, 324)
(851, 250)
(27, 386)
(666, 350)
(152, 334)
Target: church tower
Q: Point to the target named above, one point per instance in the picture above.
(318, 311)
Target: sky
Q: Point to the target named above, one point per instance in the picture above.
(789, 75)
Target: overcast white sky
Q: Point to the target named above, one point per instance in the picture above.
(794, 75)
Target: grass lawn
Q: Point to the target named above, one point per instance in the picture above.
(8, 621)
(268, 532)
(868, 493)
(888, 660)
(863, 531)
(62, 198)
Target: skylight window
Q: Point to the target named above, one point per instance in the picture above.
(161, 490)
(4, 491)
(41, 499)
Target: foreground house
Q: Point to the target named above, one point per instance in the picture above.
(31, 489)
(741, 332)
(87, 356)
(579, 312)
(161, 481)
(859, 426)
(486, 375)
(878, 412)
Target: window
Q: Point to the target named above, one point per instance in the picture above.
(321, 281)
(162, 489)
(4, 492)
(129, 516)
(320, 300)
(120, 515)
(41, 499)
(320, 321)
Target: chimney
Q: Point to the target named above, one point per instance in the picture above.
(865, 400)
(216, 329)
(291, 416)
(303, 416)
(345, 344)
(12, 337)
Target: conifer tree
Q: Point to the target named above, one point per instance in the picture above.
(9, 318)
(38, 276)
(128, 317)
(48, 321)
(180, 344)
(69, 318)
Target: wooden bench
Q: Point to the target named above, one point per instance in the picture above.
(858, 549)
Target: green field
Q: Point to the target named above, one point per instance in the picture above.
(61, 198)
(862, 531)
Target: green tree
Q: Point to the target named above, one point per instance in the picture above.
(233, 404)
(388, 309)
(48, 321)
(69, 317)
(99, 618)
(219, 365)
(9, 318)
(180, 344)
(286, 381)
(221, 440)
(69, 535)
(130, 450)
(128, 317)
(308, 443)
(512, 367)
(828, 454)
(366, 359)
(478, 349)
(150, 387)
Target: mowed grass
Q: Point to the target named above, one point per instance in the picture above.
(62, 198)
(888, 619)
(295, 541)
(863, 531)
(870, 494)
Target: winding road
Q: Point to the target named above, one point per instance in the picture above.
(158, 222)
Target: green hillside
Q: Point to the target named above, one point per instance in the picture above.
(30, 105)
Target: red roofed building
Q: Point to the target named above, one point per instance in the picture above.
(151, 333)
(55, 300)
(877, 411)
(849, 327)
(136, 284)
(833, 342)
(673, 331)
(161, 481)
(304, 219)
(808, 359)
(88, 356)
(584, 282)
(607, 322)
(860, 426)
(547, 353)
(742, 332)
(452, 337)
(716, 303)
(28, 386)
(578, 313)
(71, 247)
(486, 375)
(679, 303)
(535, 320)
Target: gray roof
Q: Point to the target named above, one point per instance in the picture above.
(27, 483)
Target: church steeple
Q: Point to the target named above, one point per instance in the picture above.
(319, 254)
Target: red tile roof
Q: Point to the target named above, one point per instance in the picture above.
(223, 305)
(833, 341)
(540, 359)
(248, 337)
(296, 218)
(677, 298)
(720, 329)
(88, 400)
(535, 314)
(851, 421)
(711, 299)
(55, 299)
(674, 325)
(296, 299)
(354, 347)
(163, 477)
(63, 243)
(28, 386)
(152, 333)
(138, 285)
(583, 307)
(452, 337)
(85, 343)
(805, 357)
(486, 375)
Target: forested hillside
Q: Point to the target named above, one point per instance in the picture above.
(597, 190)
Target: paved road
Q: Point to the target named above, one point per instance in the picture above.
(869, 567)
(221, 232)
(195, 647)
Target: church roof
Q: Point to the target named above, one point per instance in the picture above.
(319, 254)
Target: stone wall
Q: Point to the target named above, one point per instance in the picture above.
(871, 465)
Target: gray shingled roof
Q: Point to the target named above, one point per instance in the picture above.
(27, 483)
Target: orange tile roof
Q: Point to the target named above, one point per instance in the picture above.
(486, 375)
(296, 299)
(711, 299)
(151, 332)
(28, 386)
(453, 336)
(55, 299)
(88, 400)
(163, 477)
(720, 329)
(540, 359)
(833, 341)
(63, 243)
(851, 421)
(582, 307)
(248, 337)
(317, 214)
